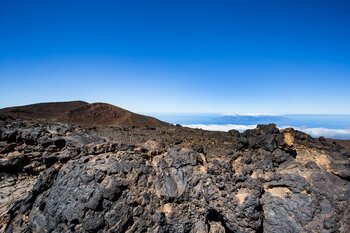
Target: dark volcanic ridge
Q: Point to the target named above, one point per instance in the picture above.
(81, 113)
(58, 177)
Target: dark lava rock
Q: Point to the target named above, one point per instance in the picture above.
(63, 178)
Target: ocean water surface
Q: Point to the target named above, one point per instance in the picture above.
(330, 126)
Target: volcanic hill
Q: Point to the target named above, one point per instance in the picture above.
(82, 113)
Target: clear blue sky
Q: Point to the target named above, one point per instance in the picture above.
(178, 56)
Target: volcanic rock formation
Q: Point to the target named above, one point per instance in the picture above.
(63, 178)
(81, 113)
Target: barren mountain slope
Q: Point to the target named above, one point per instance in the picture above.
(44, 111)
(82, 113)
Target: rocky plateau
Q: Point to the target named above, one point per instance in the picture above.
(70, 174)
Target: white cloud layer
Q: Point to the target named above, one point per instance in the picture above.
(227, 127)
(252, 114)
(315, 132)
(325, 132)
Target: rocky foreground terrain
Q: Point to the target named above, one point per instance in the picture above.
(57, 177)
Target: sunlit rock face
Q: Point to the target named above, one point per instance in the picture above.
(64, 178)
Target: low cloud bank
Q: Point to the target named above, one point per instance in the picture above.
(325, 132)
(251, 114)
(315, 132)
(227, 127)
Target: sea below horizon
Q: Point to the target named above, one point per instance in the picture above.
(329, 126)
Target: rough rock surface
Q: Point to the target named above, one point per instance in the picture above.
(81, 113)
(62, 178)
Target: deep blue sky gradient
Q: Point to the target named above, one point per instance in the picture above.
(178, 56)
